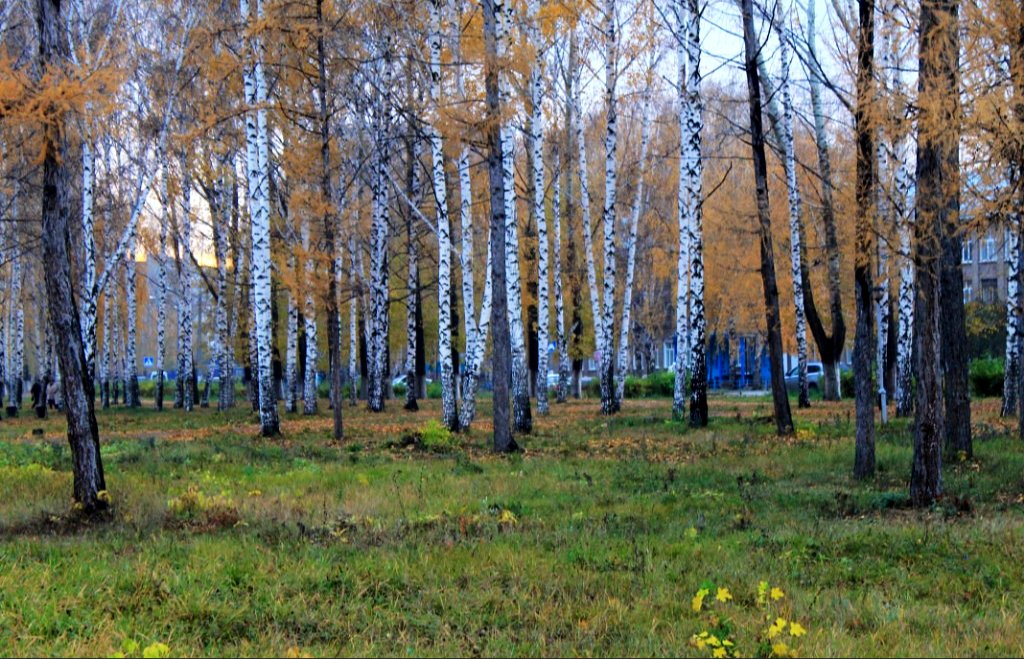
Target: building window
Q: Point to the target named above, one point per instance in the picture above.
(988, 291)
(987, 249)
(968, 293)
(967, 253)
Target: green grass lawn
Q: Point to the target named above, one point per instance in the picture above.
(594, 542)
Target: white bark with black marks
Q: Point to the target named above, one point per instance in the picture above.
(258, 173)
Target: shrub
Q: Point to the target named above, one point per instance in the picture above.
(987, 377)
(196, 508)
(435, 437)
(399, 389)
(434, 389)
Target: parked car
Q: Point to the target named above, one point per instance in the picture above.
(815, 372)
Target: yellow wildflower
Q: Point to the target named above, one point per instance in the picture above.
(718, 653)
(698, 600)
(777, 627)
(780, 649)
(156, 651)
(762, 593)
(723, 595)
(777, 594)
(714, 642)
(796, 630)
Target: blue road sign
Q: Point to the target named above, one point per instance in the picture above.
(147, 361)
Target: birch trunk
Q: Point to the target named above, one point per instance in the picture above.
(561, 339)
(309, 320)
(161, 292)
(903, 207)
(379, 285)
(222, 353)
(522, 417)
(412, 280)
(692, 162)
(131, 392)
(476, 326)
(187, 287)
(795, 237)
(1011, 377)
(683, 259)
(609, 402)
(89, 297)
(449, 411)
(353, 328)
(538, 210)
(291, 367)
(634, 221)
(258, 176)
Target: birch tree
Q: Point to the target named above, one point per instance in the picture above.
(258, 174)
(538, 208)
(522, 417)
(795, 237)
(309, 320)
(692, 154)
(449, 411)
(477, 323)
(561, 339)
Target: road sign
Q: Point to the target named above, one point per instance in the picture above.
(147, 361)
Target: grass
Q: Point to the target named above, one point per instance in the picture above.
(593, 542)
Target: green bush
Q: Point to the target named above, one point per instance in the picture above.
(435, 437)
(660, 384)
(434, 390)
(399, 389)
(987, 377)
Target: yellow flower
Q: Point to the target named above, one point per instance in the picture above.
(255, 493)
(777, 628)
(718, 653)
(777, 594)
(698, 600)
(103, 495)
(780, 650)
(714, 642)
(698, 642)
(796, 630)
(762, 593)
(723, 595)
(156, 651)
